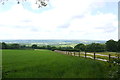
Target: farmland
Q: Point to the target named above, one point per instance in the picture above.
(49, 64)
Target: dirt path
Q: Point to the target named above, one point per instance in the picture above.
(64, 52)
(102, 55)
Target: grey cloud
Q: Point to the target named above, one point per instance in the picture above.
(78, 16)
(23, 26)
(67, 24)
(34, 30)
(108, 28)
(26, 21)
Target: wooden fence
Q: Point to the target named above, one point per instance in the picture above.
(91, 55)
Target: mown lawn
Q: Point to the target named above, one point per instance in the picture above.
(49, 64)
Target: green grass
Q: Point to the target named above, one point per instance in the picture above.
(49, 64)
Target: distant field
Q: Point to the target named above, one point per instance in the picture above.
(49, 64)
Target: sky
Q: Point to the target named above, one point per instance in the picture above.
(60, 19)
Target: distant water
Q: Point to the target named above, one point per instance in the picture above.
(54, 41)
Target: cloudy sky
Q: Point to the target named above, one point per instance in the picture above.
(61, 19)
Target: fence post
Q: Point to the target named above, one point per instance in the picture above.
(109, 57)
(79, 54)
(94, 55)
(118, 56)
(85, 54)
(118, 59)
(74, 53)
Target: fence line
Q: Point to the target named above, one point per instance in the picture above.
(85, 55)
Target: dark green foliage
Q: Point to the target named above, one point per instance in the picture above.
(12, 46)
(65, 48)
(115, 71)
(4, 45)
(23, 46)
(15, 46)
(42, 47)
(71, 50)
(0, 45)
(34, 46)
(111, 45)
(53, 48)
(118, 46)
(95, 47)
(80, 47)
(49, 47)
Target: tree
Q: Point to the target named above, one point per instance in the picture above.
(95, 47)
(42, 47)
(80, 47)
(34, 46)
(0, 45)
(40, 3)
(53, 48)
(111, 45)
(49, 47)
(15, 46)
(118, 45)
(23, 46)
(4, 45)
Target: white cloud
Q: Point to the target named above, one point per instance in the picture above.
(19, 23)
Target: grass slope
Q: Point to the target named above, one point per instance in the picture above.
(49, 64)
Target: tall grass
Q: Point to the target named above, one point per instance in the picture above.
(49, 64)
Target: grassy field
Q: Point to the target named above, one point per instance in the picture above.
(49, 64)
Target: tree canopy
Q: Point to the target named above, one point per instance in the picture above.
(111, 45)
(4, 45)
(95, 47)
(118, 45)
(80, 47)
(34, 46)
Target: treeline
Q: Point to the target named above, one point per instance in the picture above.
(110, 45)
(20, 46)
(13, 46)
(4, 45)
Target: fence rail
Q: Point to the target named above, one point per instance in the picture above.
(94, 56)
